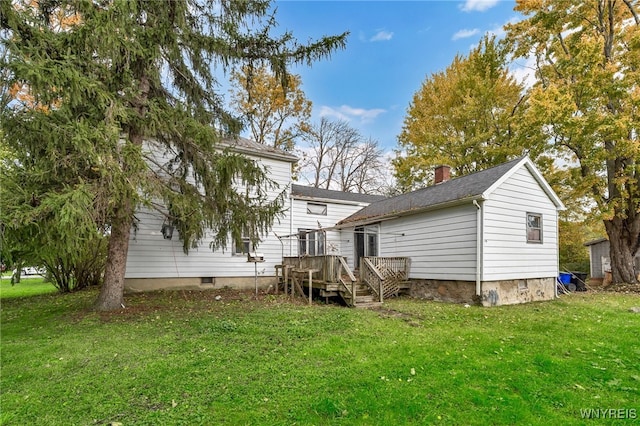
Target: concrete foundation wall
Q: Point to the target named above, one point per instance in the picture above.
(135, 285)
(511, 292)
(494, 293)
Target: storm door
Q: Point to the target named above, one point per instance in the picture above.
(366, 242)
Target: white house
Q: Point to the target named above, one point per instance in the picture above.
(154, 262)
(491, 236)
(315, 212)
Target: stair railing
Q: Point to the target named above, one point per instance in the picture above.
(352, 291)
(398, 265)
(372, 277)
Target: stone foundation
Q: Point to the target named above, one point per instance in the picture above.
(494, 293)
(136, 285)
(444, 291)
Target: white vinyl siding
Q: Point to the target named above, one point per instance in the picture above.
(336, 211)
(152, 256)
(347, 245)
(440, 243)
(506, 253)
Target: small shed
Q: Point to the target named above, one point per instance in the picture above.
(599, 257)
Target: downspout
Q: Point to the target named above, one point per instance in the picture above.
(290, 225)
(478, 249)
(555, 284)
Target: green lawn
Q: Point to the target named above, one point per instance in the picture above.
(184, 358)
(30, 285)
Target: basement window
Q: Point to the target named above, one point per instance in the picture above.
(523, 286)
(534, 228)
(317, 208)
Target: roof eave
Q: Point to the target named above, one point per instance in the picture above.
(396, 215)
(526, 161)
(290, 158)
(329, 200)
(596, 241)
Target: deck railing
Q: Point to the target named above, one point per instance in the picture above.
(330, 267)
(382, 275)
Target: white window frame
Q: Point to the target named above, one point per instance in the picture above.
(246, 245)
(311, 242)
(531, 229)
(319, 209)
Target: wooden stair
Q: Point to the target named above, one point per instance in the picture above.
(364, 297)
(377, 278)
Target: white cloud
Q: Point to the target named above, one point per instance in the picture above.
(382, 36)
(347, 113)
(478, 5)
(465, 33)
(499, 31)
(524, 73)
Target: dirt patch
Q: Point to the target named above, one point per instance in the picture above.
(139, 305)
(411, 319)
(622, 288)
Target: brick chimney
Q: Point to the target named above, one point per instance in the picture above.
(442, 174)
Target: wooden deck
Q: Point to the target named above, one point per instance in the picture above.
(379, 278)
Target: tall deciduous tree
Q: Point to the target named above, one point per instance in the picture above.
(463, 117)
(338, 157)
(276, 113)
(126, 80)
(586, 106)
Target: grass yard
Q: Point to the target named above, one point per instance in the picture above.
(30, 285)
(184, 358)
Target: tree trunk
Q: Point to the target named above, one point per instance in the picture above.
(111, 295)
(112, 291)
(623, 245)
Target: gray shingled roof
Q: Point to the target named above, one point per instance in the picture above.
(465, 187)
(597, 241)
(310, 192)
(248, 146)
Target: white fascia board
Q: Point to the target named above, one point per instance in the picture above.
(330, 200)
(526, 162)
(396, 215)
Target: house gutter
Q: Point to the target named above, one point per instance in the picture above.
(478, 248)
(330, 200)
(395, 215)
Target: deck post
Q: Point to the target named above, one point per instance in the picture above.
(353, 293)
(286, 280)
(278, 276)
(310, 284)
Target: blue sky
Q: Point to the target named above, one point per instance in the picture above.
(393, 47)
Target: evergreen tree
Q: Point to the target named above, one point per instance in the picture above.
(111, 85)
